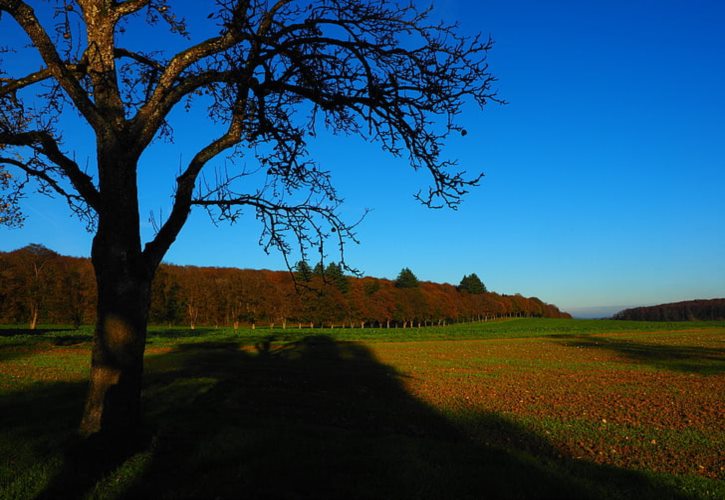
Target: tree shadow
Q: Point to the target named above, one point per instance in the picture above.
(688, 359)
(176, 333)
(319, 419)
(37, 423)
(14, 350)
(68, 340)
(12, 332)
(324, 419)
(22, 348)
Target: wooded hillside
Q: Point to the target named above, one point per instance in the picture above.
(38, 285)
(690, 310)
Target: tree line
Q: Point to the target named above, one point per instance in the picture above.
(41, 286)
(690, 310)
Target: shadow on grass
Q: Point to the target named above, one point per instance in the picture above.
(22, 347)
(68, 340)
(314, 419)
(36, 425)
(14, 350)
(12, 332)
(179, 332)
(688, 359)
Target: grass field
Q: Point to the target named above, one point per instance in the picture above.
(509, 409)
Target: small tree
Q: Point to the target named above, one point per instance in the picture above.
(406, 279)
(318, 270)
(303, 272)
(35, 271)
(335, 275)
(472, 284)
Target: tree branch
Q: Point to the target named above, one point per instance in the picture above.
(13, 217)
(166, 94)
(129, 7)
(303, 220)
(25, 17)
(181, 61)
(47, 145)
(43, 176)
(120, 52)
(14, 85)
(155, 249)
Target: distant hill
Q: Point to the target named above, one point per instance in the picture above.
(38, 285)
(594, 312)
(690, 310)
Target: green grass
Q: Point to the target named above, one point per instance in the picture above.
(318, 415)
(499, 329)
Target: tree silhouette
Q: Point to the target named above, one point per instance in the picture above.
(270, 75)
(472, 284)
(303, 272)
(335, 275)
(406, 279)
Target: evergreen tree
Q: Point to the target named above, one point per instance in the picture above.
(472, 284)
(318, 270)
(335, 276)
(303, 272)
(406, 279)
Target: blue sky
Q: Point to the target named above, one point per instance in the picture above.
(605, 173)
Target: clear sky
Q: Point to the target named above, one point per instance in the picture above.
(605, 173)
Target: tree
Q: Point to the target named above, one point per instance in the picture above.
(318, 270)
(76, 293)
(406, 279)
(271, 73)
(166, 305)
(34, 269)
(472, 284)
(335, 276)
(303, 272)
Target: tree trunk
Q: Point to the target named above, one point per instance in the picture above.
(123, 279)
(34, 317)
(113, 404)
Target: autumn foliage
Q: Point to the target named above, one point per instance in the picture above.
(690, 310)
(39, 285)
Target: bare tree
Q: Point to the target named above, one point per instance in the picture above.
(274, 72)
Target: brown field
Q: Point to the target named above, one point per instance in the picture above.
(628, 400)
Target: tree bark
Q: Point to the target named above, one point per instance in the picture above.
(113, 403)
(123, 279)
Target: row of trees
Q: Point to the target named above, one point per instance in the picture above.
(41, 285)
(690, 310)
